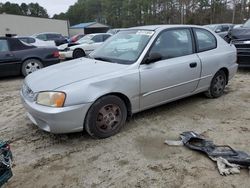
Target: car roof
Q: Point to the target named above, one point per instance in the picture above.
(219, 24)
(99, 34)
(47, 33)
(160, 27)
(24, 37)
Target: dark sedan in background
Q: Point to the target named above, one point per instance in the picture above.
(18, 58)
(240, 37)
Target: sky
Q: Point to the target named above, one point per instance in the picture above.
(52, 6)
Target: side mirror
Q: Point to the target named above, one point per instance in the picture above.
(91, 42)
(153, 58)
(217, 31)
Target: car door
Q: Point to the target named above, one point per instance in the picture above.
(177, 73)
(8, 61)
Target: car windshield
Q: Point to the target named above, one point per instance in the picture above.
(85, 39)
(247, 24)
(125, 47)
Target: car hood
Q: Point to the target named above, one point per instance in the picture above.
(62, 74)
(240, 33)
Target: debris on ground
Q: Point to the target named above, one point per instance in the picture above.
(229, 161)
(5, 162)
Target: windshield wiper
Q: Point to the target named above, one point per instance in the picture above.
(102, 59)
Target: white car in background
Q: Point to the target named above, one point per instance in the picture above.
(36, 42)
(83, 47)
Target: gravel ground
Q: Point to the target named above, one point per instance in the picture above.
(137, 156)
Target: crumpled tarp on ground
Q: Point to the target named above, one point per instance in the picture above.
(5, 162)
(229, 161)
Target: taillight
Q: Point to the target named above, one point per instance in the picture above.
(56, 54)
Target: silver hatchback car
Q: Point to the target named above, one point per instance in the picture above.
(134, 70)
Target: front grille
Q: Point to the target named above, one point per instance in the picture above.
(27, 92)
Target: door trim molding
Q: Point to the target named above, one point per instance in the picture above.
(173, 86)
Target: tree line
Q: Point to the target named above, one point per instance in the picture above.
(32, 9)
(126, 13)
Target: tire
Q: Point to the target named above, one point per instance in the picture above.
(106, 117)
(31, 65)
(78, 53)
(217, 86)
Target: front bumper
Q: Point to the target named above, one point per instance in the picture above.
(56, 120)
(232, 70)
(243, 54)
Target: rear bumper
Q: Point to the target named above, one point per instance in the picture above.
(56, 120)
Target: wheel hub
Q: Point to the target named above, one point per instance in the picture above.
(219, 84)
(108, 118)
(32, 67)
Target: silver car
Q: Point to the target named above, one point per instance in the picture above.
(134, 70)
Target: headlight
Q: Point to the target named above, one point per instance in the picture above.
(53, 99)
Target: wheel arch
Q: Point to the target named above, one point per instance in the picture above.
(225, 70)
(79, 49)
(123, 97)
(27, 58)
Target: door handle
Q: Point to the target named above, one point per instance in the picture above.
(193, 65)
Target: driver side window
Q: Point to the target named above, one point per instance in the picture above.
(173, 43)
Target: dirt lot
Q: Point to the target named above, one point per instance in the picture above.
(136, 157)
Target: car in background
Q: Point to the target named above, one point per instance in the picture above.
(83, 47)
(240, 37)
(35, 41)
(56, 37)
(75, 38)
(18, 58)
(135, 70)
(220, 29)
(237, 26)
(115, 30)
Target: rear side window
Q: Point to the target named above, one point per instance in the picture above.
(105, 37)
(26, 40)
(205, 40)
(97, 38)
(4, 46)
(53, 36)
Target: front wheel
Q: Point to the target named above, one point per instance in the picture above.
(78, 53)
(106, 117)
(217, 86)
(31, 65)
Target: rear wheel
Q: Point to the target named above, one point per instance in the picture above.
(78, 53)
(106, 117)
(218, 85)
(31, 65)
